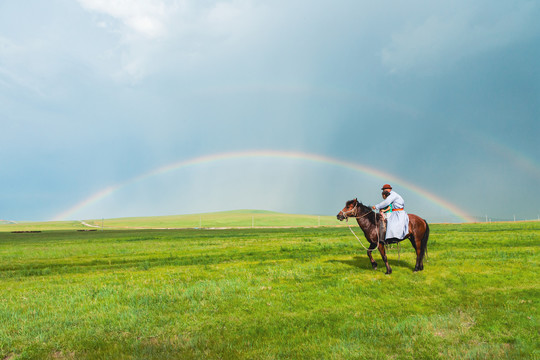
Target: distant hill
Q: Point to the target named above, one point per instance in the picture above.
(244, 218)
(3, 222)
(235, 218)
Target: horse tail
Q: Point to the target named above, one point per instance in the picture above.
(423, 245)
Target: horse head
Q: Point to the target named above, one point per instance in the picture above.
(353, 208)
(350, 210)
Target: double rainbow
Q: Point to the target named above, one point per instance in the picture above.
(383, 176)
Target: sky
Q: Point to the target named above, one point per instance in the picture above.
(118, 108)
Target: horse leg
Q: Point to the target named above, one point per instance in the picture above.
(420, 254)
(417, 245)
(425, 238)
(385, 259)
(372, 247)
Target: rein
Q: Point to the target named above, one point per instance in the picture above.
(378, 236)
(359, 217)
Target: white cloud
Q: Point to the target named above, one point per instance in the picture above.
(145, 17)
(184, 30)
(155, 19)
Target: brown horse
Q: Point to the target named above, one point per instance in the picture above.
(370, 221)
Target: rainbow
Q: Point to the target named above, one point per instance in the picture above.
(383, 176)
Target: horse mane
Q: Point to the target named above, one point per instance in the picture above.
(364, 209)
(350, 202)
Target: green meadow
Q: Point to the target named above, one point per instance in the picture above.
(265, 293)
(237, 219)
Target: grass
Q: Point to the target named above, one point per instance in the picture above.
(237, 219)
(293, 293)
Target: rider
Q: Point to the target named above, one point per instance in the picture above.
(398, 220)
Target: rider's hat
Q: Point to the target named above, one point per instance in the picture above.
(386, 186)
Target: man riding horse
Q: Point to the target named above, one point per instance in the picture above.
(400, 226)
(397, 226)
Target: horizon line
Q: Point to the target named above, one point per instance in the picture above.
(386, 177)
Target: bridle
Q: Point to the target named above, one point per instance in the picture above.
(346, 213)
(359, 217)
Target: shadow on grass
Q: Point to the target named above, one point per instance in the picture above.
(364, 263)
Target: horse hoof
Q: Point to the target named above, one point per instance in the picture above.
(388, 272)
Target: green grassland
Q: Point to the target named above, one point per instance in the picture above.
(238, 218)
(288, 293)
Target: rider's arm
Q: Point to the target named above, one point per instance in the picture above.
(390, 199)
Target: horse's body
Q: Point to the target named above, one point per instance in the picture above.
(369, 223)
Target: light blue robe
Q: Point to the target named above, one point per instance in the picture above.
(398, 221)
